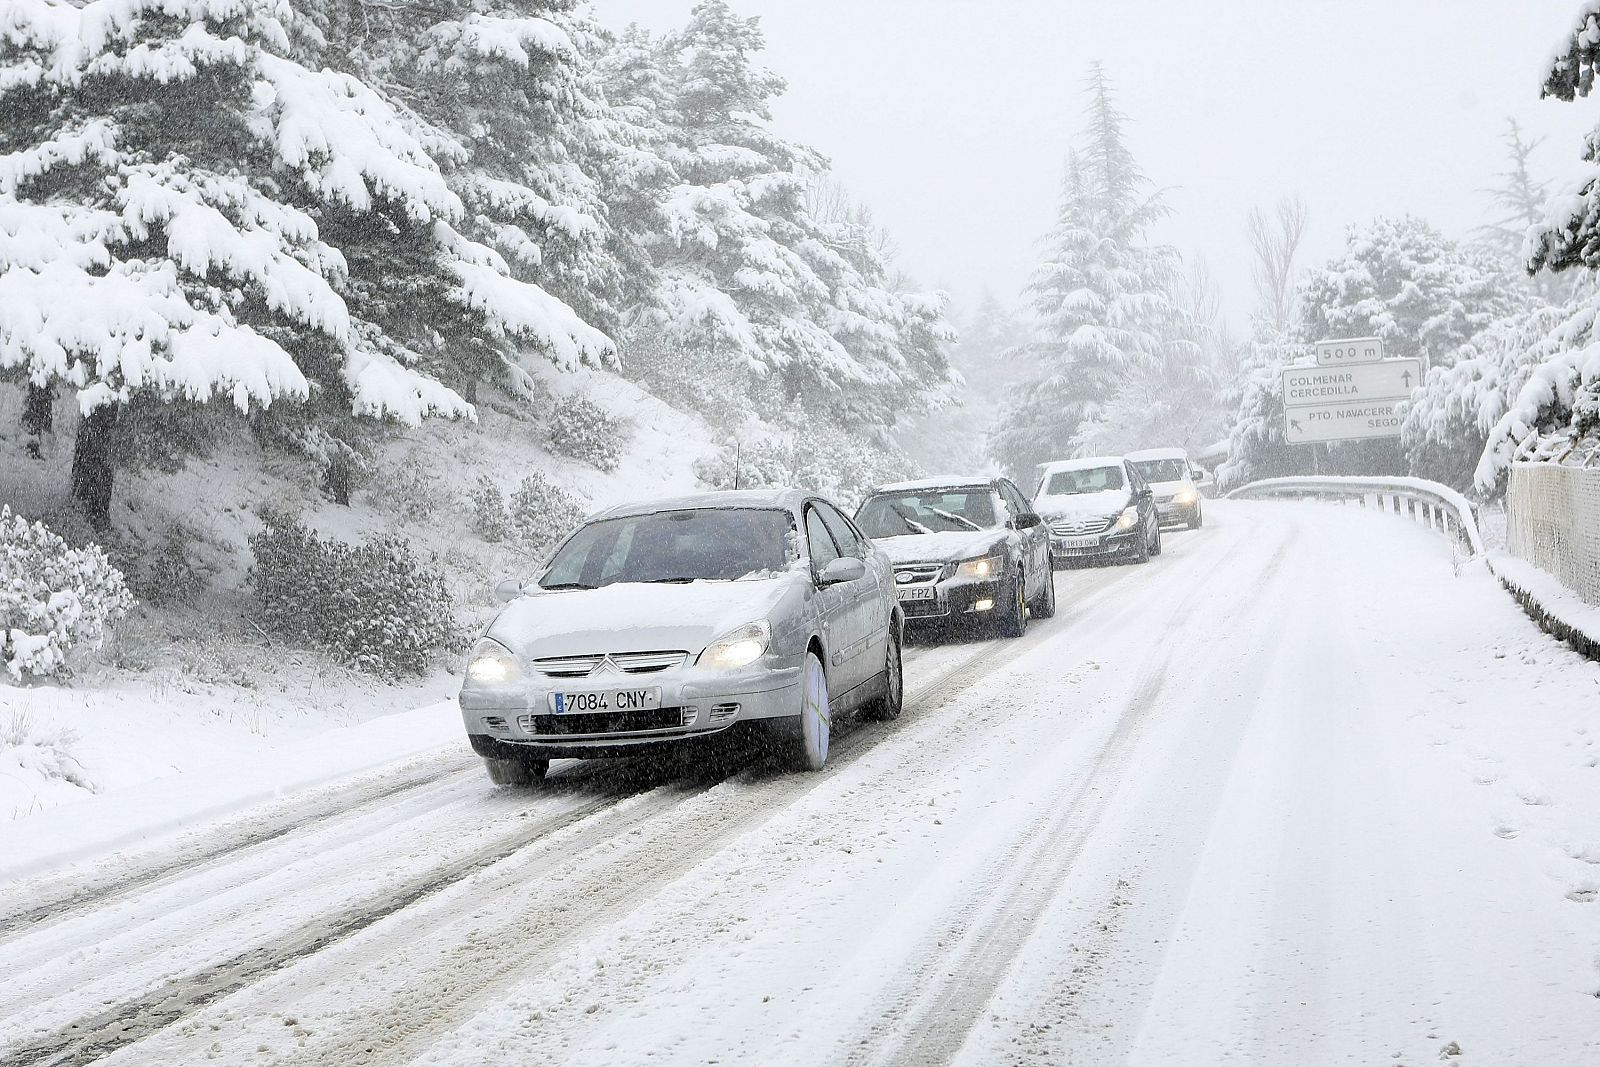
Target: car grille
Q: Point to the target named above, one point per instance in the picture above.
(627, 662)
(918, 573)
(1078, 527)
(610, 722)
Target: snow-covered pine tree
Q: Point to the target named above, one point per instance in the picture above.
(1555, 414)
(1104, 297)
(775, 304)
(1402, 280)
(506, 94)
(192, 211)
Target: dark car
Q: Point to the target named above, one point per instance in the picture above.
(964, 550)
(1098, 508)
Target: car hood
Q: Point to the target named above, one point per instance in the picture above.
(1166, 489)
(1082, 505)
(635, 617)
(951, 544)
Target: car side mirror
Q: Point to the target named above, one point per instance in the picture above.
(843, 569)
(507, 590)
(1146, 493)
(1026, 521)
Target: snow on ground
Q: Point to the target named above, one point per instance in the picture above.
(1294, 792)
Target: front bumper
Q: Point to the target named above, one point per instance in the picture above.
(954, 598)
(695, 702)
(1173, 513)
(1110, 543)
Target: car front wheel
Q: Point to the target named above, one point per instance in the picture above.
(515, 771)
(1044, 605)
(1014, 621)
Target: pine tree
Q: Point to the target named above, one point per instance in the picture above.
(207, 208)
(766, 301)
(1104, 298)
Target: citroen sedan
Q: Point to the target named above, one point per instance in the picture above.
(670, 621)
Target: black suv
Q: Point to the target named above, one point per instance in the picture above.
(1098, 508)
(964, 549)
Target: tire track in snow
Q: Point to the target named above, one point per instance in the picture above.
(125, 1023)
(241, 835)
(955, 972)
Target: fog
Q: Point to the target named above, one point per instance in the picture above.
(953, 125)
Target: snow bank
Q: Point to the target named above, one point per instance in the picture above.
(1551, 604)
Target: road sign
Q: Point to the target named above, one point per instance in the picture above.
(1343, 422)
(1343, 351)
(1392, 379)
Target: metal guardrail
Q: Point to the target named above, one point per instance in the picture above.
(1429, 503)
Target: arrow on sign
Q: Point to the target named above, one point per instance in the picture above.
(1406, 377)
(1296, 424)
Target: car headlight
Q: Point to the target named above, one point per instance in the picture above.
(1128, 519)
(738, 648)
(1184, 496)
(983, 567)
(491, 663)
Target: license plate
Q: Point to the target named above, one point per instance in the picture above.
(1077, 542)
(606, 700)
(925, 593)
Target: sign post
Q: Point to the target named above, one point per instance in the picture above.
(1352, 394)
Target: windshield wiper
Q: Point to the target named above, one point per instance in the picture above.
(953, 517)
(670, 581)
(569, 585)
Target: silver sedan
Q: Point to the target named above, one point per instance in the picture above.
(673, 620)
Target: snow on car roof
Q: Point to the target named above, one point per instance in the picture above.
(788, 499)
(1158, 453)
(1086, 463)
(943, 481)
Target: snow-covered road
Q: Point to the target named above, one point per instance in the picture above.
(1293, 793)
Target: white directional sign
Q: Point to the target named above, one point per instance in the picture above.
(1343, 422)
(1343, 351)
(1392, 379)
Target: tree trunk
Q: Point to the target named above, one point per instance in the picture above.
(92, 472)
(38, 416)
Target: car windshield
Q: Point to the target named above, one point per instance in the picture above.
(1083, 480)
(1161, 470)
(701, 544)
(932, 511)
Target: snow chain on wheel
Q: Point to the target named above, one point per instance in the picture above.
(807, 744)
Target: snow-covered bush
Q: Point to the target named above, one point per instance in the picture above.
(542, 513)
(53, 597)
(489, 515)
(374, 605)
(584, 430)
(169, 575)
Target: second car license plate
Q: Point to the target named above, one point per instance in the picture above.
(925, 593)
(606, 700)
(1077, 542)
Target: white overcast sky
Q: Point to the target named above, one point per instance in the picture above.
(951, 120)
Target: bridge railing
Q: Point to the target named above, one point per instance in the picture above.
(1436, 506)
